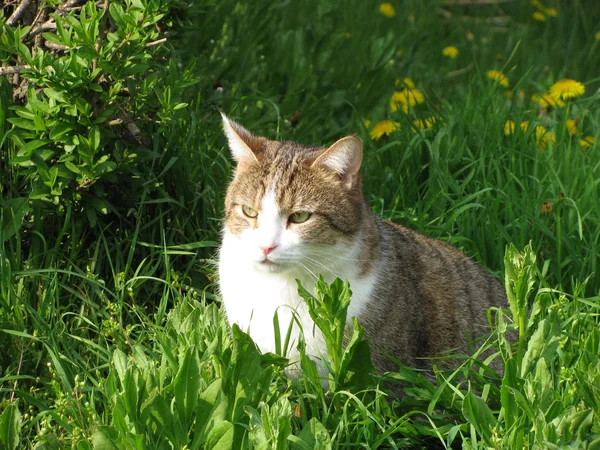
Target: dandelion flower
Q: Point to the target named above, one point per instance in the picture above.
(367, 123)
(425, 123)
(498, 76)
(405, 99)
(567, 89)
(571, 127)
(383, 128)
(542, 137)
(597, 36)
(537, 4)
(587, 142)
(509, 127)
(551, 12)
(387, 9)
(547, 101)
(524, 125)
(450, 52)
(405, 82)
(539, 16)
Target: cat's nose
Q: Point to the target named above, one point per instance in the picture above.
(268, 249)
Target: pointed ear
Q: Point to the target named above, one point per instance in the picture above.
(243, 144)
(343, 157)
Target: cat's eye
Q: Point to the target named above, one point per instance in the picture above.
(299, 217)
(249, 212)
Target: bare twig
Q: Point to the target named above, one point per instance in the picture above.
(49, 25)
(458, 72)
(54, 46)
(67, 6)
(13, 69)
(12, 394)
(158, 42)
(18, 12)
(101, 34)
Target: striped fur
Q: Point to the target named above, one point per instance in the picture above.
(415, 296)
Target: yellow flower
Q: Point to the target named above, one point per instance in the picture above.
(597, 36)
(542, 137)
(537, 4)
(425, 123)
(540, 17)
(387, 9)
(547, 101)
(497, 76)
(383, 128)
(405, 99)
(567, 89)
(509, 127)
(551, 12)
(406, 82)
(587, 142)
(450, 52)
(367, 123)
(524, 125)
(571, 127)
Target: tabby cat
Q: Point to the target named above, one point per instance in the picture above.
(293, 211)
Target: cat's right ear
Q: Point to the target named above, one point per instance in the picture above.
(243, 145)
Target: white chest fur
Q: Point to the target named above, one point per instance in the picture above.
(252, 295)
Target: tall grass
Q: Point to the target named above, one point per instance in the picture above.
(112, 337)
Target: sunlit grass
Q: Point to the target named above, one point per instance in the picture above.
(113, 336)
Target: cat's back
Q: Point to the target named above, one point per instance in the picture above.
(438, 294)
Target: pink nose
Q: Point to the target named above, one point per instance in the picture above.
(269, 249)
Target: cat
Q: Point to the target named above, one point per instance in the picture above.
(294, 211)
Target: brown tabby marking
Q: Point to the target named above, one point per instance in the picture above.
(428, 297)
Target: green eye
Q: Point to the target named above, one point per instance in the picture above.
(249, 212)
(299, 217)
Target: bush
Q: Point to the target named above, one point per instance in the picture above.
(90, 86)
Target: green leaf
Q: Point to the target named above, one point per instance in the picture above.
(519, 281)
(117, 13)
(478, 414)
(10, 427)
(314, 435)
(23, 123)
(220, 437)
(107, 438)
(51, 37)
(39, 123)
(187, 384)
(59, 130)
(28, 148)
(91, 216)
(55, 95)
(12, 213)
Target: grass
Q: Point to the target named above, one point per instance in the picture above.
(112, 336)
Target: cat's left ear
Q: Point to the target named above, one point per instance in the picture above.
(244, 145)
(345, 158)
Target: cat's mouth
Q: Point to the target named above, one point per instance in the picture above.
(269, 265)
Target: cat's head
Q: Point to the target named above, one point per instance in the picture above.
(291, 205)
